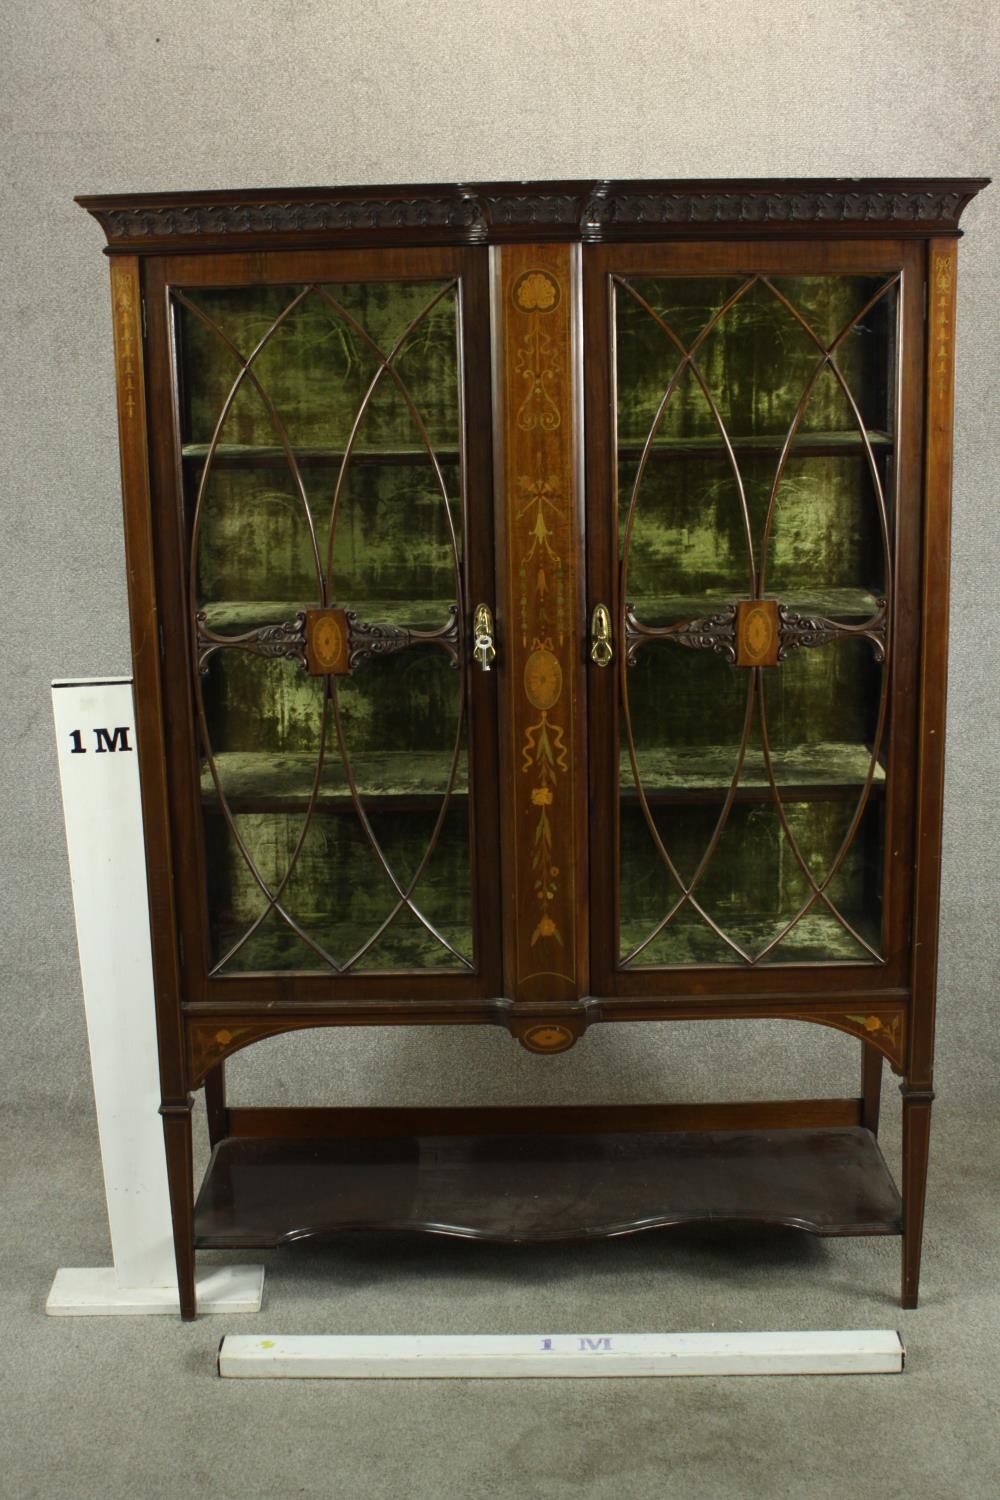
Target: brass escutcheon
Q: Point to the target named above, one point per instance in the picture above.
(601, 649)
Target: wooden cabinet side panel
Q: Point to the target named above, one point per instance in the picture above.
(126, 297)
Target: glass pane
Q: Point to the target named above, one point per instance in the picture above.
(320, 434)
(688, 540)
(381, 715)
(755, 436)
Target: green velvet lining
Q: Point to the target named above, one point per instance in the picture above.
(816, 938)
(826, 695)
(756, 361)
(688, 532)
(753, 884)
(407, 701)
(405, 946)
(338, 890)
(393, 538)
(316, 369)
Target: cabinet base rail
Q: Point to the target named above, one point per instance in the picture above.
(542, 1119)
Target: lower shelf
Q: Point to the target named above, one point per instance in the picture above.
(518, 1189)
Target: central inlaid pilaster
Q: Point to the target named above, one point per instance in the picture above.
(540, 641)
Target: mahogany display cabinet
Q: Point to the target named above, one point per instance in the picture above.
(539, 601)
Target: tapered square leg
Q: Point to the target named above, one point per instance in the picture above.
(180, 1180)
(916, 1144)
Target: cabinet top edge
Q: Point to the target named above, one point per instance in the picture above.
(492, 212)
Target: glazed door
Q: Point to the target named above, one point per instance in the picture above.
(752, 531)
(334, 541)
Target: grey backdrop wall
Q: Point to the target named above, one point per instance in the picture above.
(145, 96)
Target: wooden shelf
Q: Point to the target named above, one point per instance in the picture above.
(804, 445)
(252, 455)
(517, 1189)
(259, 781)
(264, 781)
(807, 444)
(236, 616)
(819, 772)
(851, 606)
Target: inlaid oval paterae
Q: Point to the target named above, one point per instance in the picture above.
(543, 679)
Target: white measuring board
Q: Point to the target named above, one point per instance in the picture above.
(95, 742)
(526, 1355)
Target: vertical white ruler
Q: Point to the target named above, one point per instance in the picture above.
(95, 741)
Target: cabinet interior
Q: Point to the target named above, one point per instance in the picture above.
(321, 441)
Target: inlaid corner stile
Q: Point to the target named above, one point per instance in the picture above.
(940, 390)
(127, 323)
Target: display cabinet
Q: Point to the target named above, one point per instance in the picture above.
(539, 611)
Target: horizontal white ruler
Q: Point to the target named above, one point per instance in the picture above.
(527, 1355)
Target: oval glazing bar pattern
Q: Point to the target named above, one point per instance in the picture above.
(755, 440)
(323, 485)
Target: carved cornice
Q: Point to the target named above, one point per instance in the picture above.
(314, 216)
(476, 213)
(532, 210)
(754, 207)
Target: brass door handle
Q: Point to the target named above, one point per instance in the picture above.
(484, 649)
(601, 649)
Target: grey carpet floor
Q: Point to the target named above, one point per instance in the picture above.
(131, 1408)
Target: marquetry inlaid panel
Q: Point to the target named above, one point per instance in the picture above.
(540, 642)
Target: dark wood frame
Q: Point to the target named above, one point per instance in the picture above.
(237, 237)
